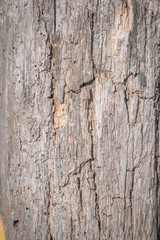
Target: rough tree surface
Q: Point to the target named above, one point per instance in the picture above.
(79, 119)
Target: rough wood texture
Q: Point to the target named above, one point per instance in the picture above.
(80, 95)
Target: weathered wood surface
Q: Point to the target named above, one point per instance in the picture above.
(79, 123)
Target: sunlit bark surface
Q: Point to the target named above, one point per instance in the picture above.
(79, 119)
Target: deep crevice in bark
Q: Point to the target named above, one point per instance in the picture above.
(71, 234)
(97, 213)
(49, 206)
(55, 17)
(126, 99)
(76, 171)
(92, 44)
(156, 163)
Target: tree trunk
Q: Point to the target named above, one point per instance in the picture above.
(79, 123)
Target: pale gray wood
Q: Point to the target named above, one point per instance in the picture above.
(79, 122)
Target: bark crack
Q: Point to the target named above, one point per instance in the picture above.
(97, 208)
(76, 171)
(49, 206)
(92, 46)
(55, 16)
(156, 154)
(126, 100)
(131, 202)
(90, 82)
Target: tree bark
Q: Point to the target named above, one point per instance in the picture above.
(79, 120)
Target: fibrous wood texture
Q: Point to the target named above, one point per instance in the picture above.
(79, 123)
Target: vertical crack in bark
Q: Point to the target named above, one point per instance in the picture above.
(92, 45)
(55, 16)
(50, 57)
(84, 84)
(126, 99)
(131, 202)
(49, 206)
(126, 96)
(71, 228)
(97, 213)
(97, 6)
(80, 196)
(125, 191)
(102, 44)
(52, 86)
(157, 110)
(137, 110)
(134, 33)
(90, 129)
(125, 195)
(90, 117)
(156, 163)
(80, 190)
